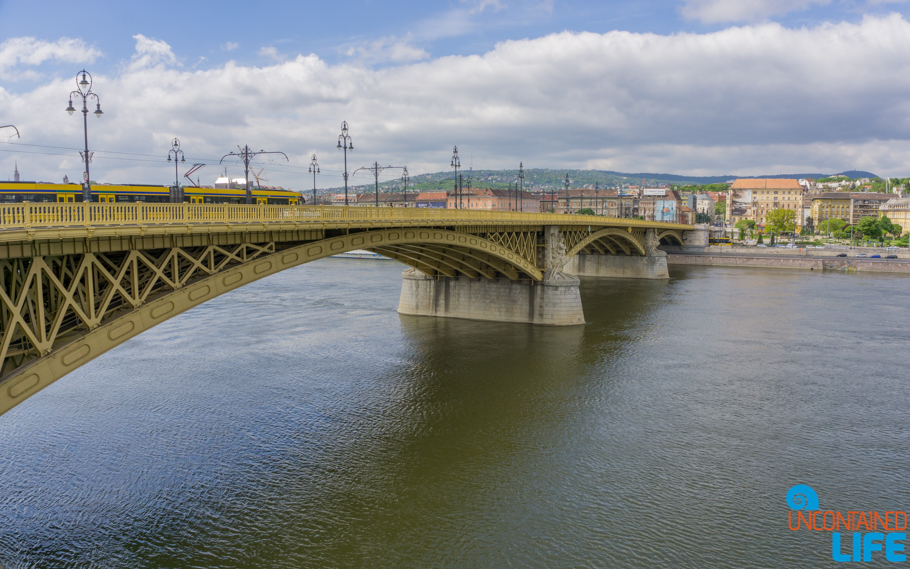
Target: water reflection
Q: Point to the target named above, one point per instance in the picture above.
(301, 422)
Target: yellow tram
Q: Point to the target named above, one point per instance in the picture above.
(38, 192)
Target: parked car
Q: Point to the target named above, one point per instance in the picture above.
(841, 254)
(875, 256)
(891, 256)
(861, 256)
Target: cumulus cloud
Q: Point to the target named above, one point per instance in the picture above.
(151, 53)
(753, 99)
(230, 46)
(16, 53)
(388, 49)
(713, 11)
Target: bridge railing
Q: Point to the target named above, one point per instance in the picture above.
(35, 215)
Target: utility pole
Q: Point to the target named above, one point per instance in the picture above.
(246, 155)
(567, 194)
(175, 150)
(314, 169)
(521, 185)
(376, 169)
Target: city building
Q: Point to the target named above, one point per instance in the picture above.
(602, 202)
(687, 215)
(432, 200)
(660, 204)
(847, 206)
(494, 200)
(704, 205)
(753, 198)
(898, 211)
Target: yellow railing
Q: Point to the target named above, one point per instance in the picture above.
(46, 215)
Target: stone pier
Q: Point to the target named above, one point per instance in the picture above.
(553, 302)
(652, 266)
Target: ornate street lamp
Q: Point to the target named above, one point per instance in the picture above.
(521, 185)
(456, 163)
(345, 143)
(177, 153)
(85, 91)
(405, 177)
(314, 169)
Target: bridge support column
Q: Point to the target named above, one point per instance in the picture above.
(555, 302)
(697, 239)
(653, 266)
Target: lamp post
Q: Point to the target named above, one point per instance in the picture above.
(85, 91)
(567, 195)
(177, 154)
(314, 169)
(456, 163)
(405, 178)
(12, 127)
(345, 143)
(521, 185)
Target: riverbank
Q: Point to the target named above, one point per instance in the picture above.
(792, 261)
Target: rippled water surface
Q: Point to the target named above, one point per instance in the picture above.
(301, 422)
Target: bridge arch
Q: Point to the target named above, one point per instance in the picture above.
(670, 237)
(610, 239)
(102, 300)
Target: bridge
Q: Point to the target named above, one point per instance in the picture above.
(76, 280)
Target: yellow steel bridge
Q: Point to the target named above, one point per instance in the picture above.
(79, 279)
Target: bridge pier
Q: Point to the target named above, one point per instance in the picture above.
(553, 302)
(653, 266)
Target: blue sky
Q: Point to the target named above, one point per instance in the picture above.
(689, 86)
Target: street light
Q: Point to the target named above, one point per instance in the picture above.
(177, 153)
(456, 163)
(85, 91)
(568, 202)
(345, 143)
(405, 178)
(314, 169)
(521, 185)
(12, 127)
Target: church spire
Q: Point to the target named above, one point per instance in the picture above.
(16, 173)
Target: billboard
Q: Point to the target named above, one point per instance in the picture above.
(741, 203)
(665, 210)
(653, 192)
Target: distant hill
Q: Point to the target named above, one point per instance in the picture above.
(545, 179)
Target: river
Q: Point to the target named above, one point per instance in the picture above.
(301, 422)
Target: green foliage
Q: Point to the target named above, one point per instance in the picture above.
(808, 228)
(841, 235)
(744, 225)
(781, 220)
(772, 240)
(831, 225)
(720, 209)
(760, 240)
(869, 227)
(585, 211)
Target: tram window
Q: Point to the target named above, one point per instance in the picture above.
(278, 201)
(9, 198)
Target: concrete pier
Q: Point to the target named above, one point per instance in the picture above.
(653, 266)
(554, 302)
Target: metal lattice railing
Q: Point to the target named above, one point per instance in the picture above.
(35, 215)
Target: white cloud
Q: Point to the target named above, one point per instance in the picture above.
(271, 53)
(477, 6)
(753, 99)
(713, 11)
(31, 52)
(230, 46)
(388, 49)
(151, 53)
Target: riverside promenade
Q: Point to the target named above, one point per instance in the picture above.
(808, 259)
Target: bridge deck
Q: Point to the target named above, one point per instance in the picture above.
(35, 221)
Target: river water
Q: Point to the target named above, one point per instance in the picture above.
(301, 422)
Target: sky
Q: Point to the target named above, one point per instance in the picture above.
(692, 87)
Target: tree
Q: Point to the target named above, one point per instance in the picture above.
(870, 227)
(781, 220)
(809, 227)
(831, 225)
(759, 241)
(744, 225)
(720, 209)
(585, 211)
